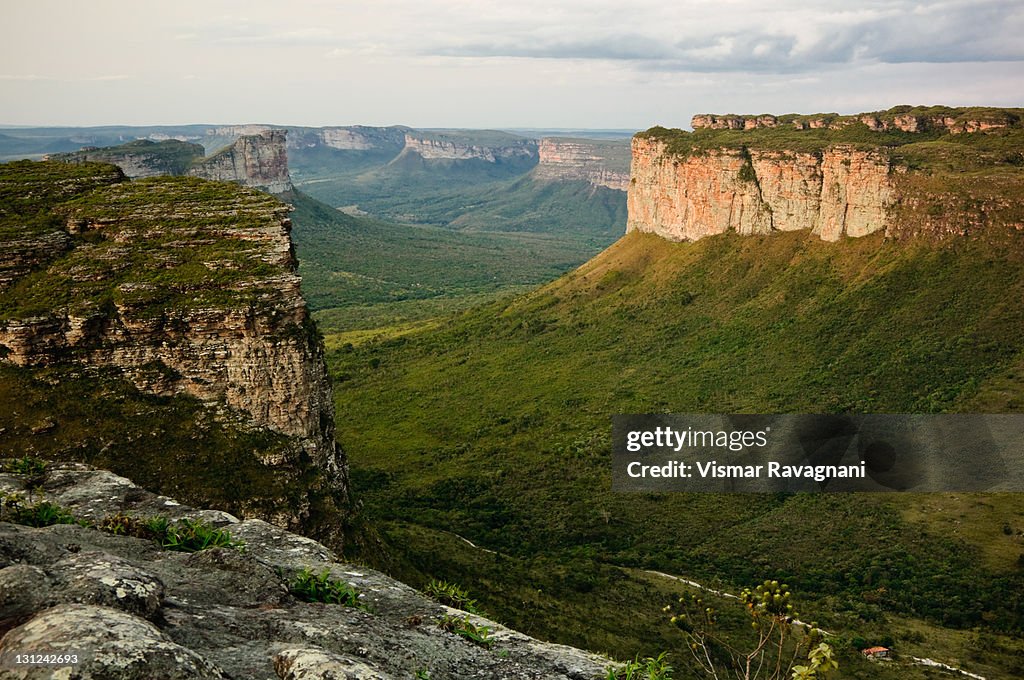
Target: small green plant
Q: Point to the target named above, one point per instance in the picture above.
(312, 587)
(15, 509)
(24, 466)
(186, 535)
(452, 595)
(650, 668)
(463, 627)
(422, 674)
(190, 535)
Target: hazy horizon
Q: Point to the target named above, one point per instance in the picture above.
(490, 65)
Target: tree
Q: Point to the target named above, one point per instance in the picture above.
(784, 647)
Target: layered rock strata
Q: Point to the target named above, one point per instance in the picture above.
(603, 164)
(840, 191)
(452, 147)
(259, 161)
(187, 287)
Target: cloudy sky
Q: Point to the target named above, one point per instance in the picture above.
(497, 63)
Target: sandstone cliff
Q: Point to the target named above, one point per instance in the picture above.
(840, 191)
(348, 138)
(134, 611)
(259, 161)
(601, 163)
(490, 147)
(186, 287)
(934, 171)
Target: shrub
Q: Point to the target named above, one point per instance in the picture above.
(24, 466)
(451, 595)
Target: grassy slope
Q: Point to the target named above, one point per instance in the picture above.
(495, 426)
(361, 272)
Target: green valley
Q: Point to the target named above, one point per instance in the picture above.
(494, 426)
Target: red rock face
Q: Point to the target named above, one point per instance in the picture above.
(839, 192)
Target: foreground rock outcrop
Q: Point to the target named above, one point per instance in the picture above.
(183, 287)
(133, 610)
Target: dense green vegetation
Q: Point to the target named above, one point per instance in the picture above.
(495, 426)
(364, 273)
(525, 205)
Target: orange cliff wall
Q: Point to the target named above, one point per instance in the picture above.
(841, 191)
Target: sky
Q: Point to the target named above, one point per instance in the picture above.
(497, 63)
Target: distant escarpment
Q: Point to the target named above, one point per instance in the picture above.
(491, 147)
(178, 288)
(601, 163)
(256, 158)
(348, 138)
(756, 175)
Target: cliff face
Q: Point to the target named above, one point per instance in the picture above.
(604, 164)
(841, 191)
(259, 161)
(185, 287)
(450, 147)
(348, 138)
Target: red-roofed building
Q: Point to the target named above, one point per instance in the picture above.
(877, 653)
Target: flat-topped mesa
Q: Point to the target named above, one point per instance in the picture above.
(186, 287)
(259, 161)
(901, 172)
(601, 163)
(491, 147)
(899, 118)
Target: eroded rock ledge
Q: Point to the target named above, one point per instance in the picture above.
(184, 286)
(136, 611)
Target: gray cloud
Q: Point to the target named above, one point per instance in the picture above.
(882, 32)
